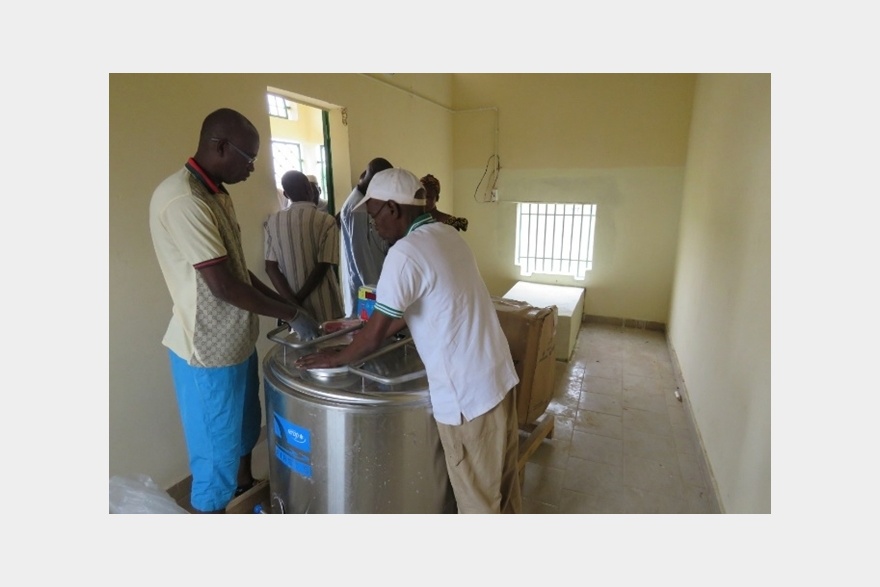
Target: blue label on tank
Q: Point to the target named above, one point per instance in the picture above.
(293, 462)
(296, 436)
(293, 446)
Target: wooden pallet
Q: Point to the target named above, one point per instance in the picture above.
(247, 501)
(536, 433)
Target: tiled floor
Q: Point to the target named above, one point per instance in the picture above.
(622, 442)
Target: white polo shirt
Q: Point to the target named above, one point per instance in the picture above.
(430, 278)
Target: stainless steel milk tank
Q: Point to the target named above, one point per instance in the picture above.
(355, 439)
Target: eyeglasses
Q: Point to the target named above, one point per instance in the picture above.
(376, 215)
(249, 159)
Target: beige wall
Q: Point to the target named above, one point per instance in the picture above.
(307, 127)
(308, 131)
(154, 126)
(618, 141)
(720, 315)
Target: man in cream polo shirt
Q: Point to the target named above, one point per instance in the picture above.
(213, 330)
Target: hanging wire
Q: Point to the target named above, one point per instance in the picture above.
(492, 181)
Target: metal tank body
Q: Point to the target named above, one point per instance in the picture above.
(357, 439)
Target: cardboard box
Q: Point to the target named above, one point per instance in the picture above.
(569, 302)
(531, 334)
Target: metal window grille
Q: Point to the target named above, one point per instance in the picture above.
(286, 155)
(277, 107)
(322, 166)
(282, 107)
(555, 239)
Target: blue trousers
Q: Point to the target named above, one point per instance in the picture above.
(221, 417)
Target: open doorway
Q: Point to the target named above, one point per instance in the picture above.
(310, 137)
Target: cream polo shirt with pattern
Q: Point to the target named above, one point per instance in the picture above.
(193, 225)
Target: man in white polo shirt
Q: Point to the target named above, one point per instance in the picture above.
(430, 283)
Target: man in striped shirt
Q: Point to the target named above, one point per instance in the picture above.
(302, 251)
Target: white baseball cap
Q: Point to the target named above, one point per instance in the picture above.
(396, 184)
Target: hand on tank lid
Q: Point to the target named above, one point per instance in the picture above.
(323, 359)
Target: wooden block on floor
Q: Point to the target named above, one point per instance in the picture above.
(247, 501)
(537, 433)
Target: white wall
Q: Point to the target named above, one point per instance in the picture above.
(720, 313)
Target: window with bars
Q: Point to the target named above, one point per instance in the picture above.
(322, 166)
(282, 107)
(555, 239)
(286, 155)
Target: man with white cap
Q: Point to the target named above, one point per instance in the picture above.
(431, 284)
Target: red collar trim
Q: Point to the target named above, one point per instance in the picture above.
(203, 177)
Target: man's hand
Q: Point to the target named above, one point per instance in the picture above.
(320, 360)
(306, 327)
(369, 339)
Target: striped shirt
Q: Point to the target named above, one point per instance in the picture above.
(299, 238)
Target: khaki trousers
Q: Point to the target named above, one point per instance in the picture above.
(481, 458)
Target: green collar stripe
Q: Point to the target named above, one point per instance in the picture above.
(425, 218)
(388, 311)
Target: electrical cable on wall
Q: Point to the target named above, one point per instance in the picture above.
(491, 183)
(490, 191)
